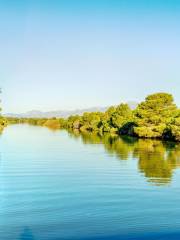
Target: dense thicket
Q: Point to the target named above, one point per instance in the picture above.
(156, 117)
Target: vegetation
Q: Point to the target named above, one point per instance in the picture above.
(153, 116)
(2, 120)
(156, 117)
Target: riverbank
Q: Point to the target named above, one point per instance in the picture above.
(3, 124)
(156, 118)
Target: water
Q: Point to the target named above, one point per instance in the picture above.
(59, 185)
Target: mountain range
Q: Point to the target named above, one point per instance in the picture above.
(61, 113)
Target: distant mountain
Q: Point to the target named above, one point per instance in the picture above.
(50, 114)
(61, 113)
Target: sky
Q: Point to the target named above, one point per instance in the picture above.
(69, 54)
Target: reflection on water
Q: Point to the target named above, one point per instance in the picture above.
(27, 234)
(60, 185)
(156, 159)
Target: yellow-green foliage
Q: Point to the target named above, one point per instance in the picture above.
(1, 128)
(3, 123)
(174, 126)
(156, 117)
(154, 114)
(52, 123)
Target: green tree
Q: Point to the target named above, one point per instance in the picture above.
(154, 114)
(174, 126)
(121, 117)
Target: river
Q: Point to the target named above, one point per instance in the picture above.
(57, 185)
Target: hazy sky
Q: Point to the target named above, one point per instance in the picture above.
(66, 54)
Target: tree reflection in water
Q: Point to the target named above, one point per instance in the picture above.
(157, 160)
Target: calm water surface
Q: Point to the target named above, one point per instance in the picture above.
(57, 185)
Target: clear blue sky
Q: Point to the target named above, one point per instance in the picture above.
(67, 54)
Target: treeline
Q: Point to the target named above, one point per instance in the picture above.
(3, 121)
(156, 117)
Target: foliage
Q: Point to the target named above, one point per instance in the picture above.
(174, 126)
(156, 117)
(3, 122)
(153, 116)
(52, 123)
